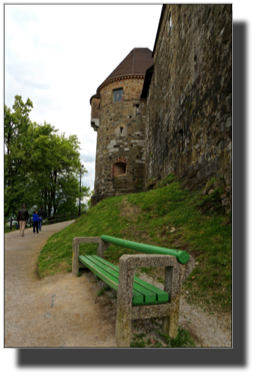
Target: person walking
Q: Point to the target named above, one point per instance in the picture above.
(35, 221)
(41, 216)
(22, 218)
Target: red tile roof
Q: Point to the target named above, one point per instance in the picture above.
(135, 63)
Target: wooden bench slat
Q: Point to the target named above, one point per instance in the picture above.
(111, 280)
(162, 296)
(149, 296)
(113, 266)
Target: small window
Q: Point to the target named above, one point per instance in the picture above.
(118, 95)
(119, 169)
(121, 130)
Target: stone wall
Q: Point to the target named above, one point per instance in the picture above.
(120, 139)
(189, 103)
(95, 112)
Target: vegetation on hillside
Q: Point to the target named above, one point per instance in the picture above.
(168, 216)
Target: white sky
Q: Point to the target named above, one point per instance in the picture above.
(57, 55)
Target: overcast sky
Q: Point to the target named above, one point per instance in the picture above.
(57, 55)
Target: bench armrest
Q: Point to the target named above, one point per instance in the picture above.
(101, 247)
(128, 263)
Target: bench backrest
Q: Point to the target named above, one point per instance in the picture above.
(181, 256)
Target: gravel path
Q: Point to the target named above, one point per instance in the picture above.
(65, 311)
(57, 311)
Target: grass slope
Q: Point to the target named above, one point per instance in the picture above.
(168, 216)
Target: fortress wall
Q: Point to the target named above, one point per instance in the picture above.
(113, 145)
(189, 104)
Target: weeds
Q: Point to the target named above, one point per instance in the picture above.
(182, 340)
(101, 292)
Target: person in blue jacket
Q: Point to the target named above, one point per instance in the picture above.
(35, 221)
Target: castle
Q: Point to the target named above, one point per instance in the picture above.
(170, 110)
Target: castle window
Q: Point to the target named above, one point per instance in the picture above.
(118, 95)
(121, 130)
(119, 169)
(137, 109)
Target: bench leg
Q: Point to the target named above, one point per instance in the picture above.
(172, 286)
(124, 306)
(170, 324)
(76, 265)
(123, 327)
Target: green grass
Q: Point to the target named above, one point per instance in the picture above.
(168, 216)
(182, 340)
(102, 291)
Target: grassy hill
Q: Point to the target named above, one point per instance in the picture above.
(168, 216)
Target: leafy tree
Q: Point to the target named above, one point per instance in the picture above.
(16, 124)
(42, 167)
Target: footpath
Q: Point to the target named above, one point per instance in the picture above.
(64, 311)
(57, 311)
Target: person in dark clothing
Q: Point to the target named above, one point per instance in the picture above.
(41, 216)
(35, 221)
(22, 218)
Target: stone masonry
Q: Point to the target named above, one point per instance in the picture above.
(189, 97)
(176, 116)
(120, 125)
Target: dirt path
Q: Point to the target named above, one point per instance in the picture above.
(57, 311)
(65, 311)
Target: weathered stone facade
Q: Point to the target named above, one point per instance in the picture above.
(120, 153)
(121, 139)
(189, 99)
(185, 121)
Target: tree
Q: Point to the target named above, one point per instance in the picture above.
(16, 124)
(41, 166)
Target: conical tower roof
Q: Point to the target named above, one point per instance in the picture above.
(135, 64)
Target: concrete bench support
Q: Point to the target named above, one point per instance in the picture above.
(101, 247)
(175, 275)
(125, 312)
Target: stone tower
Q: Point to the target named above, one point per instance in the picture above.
(120, 126)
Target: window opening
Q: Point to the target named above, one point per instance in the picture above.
(137, 109)
(121, 130)
(119, 169)
(118, 95)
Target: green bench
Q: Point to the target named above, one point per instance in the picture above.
(143, 292)
(135, 297)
